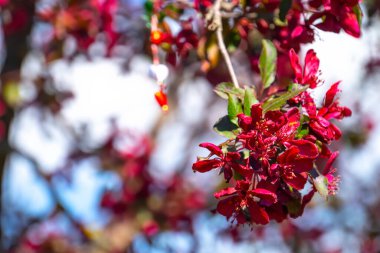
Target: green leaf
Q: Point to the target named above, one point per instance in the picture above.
(321, 184)
(224, 89)
(277, 102)
(233, 108)
(11, 93)
(245, 153)
(237, 176)
(233, 40)
(278, 22)
(285, 6)
(358, 13)
(304, 118)
(302, 132)
(294, 206)
(267, 63)
(225, 127)
(249, 100)
(148, 7)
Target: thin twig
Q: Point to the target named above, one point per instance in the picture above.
(226, 57)
(217, 25)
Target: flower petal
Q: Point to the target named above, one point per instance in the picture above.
(258, 213)
(307, 149)
(302, 165)
(215, 150)
(349, 22)
(288, 155)
(225, 192)
(206, 165)
(296, 66)
(308, 104)
(256, 113)
(297, 31)
(277, 212)
(311, 68)
(244, 122)
(266, 195)
(329, 163)
(293, 116)
(227, 206)
(298, 181)
(331, 93)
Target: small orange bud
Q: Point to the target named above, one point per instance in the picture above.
(205, 66)
(156, 37)
(162, 100)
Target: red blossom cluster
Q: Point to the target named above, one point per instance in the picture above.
(278, 152)
(143, 204)
(288, 24)
(177, 46)
(83, 20)
(336, 15)
(301, 20)
(275, 153)
(165, 203)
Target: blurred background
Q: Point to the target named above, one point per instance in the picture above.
(90, 163)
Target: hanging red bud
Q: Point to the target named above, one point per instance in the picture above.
(162, 100)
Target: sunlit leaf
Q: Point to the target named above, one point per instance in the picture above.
(233, 108)
(277, 102)
(249, 100)
(267, 63)
(224, 89)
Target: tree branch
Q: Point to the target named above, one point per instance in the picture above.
(216, 25)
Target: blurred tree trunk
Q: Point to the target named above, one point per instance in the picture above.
(16, 47)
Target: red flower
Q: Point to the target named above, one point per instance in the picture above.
(186, 39)
(227, 162)
(338, 14)
(309, 74)
(107, 10)
(329, 173)
(265, 135)
(292, 168)
(331, 108)
(319, 123)
(244, 205)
